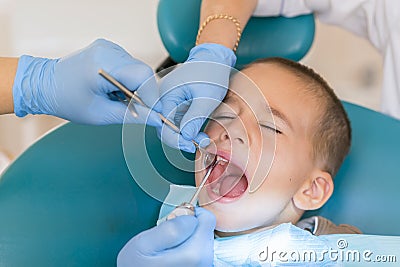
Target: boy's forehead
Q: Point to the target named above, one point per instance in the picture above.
(263, 82)
(274, 82)
(268, 85)
(243, 90)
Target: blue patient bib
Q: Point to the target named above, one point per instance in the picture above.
(284, 245)
(255, 249)
(289, 245)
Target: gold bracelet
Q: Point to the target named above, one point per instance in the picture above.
(221, 16)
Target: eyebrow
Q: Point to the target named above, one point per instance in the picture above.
(279, 115)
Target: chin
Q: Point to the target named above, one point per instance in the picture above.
(225, 222)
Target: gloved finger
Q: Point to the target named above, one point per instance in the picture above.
(148, 90)
(158, 106)
(190, 73)
(139, 77)
(104, 54)
(204, 233)
(181, 110)
(174, 139)
(169, 106)
(131, 74)
(150, 94)
(166, 235)
(173, 94)
(107, 52)
(202, 139)
(199, 110)
(202, 239)
(207, 220)
(214, 53)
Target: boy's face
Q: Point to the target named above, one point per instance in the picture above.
(243, 131)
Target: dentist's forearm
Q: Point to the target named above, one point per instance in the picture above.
(8, 68)
(223, 31)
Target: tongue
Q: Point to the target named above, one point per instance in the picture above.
(217, 172)
(232, 187)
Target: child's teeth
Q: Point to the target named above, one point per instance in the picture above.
(216, 189)
(221, 160)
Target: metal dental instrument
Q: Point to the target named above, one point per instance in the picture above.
(133, 95)
(130, 95)
(186, 208)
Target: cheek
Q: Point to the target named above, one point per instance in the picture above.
(262, 156)
(289, 169)
(279, 172)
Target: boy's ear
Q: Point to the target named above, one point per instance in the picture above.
(314, 192)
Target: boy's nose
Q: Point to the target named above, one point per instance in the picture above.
(235, 132)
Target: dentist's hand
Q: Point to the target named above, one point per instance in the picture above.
(71, 87)
(192, 91)
(182, 241)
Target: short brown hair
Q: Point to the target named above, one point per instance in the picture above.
(331, 139)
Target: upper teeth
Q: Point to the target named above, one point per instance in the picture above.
(221, 160)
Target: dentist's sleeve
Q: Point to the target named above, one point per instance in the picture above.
(375, 20)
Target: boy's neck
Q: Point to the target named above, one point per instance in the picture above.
(259, 228)
(244, 232)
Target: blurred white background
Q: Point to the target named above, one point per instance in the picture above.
(55, 28)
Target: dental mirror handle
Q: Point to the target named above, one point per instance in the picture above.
(135, 97)
(187, 208)
(195, 196)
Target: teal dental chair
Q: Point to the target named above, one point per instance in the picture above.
(70, 200)
(262, 37)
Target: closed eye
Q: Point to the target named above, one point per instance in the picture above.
(270, 128)
(224, 116)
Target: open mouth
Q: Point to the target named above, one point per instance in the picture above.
(227, 181)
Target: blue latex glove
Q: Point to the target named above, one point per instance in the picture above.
(183, 241)
(71, 87)
(189, 103)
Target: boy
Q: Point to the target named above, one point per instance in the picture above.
(305, 135)
(275, 161)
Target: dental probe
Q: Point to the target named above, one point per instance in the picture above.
(138, 100)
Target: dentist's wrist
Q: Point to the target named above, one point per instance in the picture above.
(33, 78)
(8, 68)
(234, 43)
(213, 52)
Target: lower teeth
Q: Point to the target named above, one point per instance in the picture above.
(216, 189)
